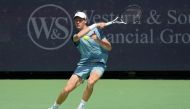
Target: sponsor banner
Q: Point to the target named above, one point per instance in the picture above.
(36, 35)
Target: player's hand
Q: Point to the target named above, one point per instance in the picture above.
(101, 25)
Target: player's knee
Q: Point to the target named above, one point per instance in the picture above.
(91, 82)
(67, 90)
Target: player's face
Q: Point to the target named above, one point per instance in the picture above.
(80, 23)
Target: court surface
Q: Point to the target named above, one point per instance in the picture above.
(108, 94)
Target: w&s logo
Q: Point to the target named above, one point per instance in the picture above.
(50, 27)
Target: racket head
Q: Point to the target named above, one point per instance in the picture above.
(132, 14)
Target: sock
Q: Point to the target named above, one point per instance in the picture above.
(81, 105)
(82, 102)
(55, 106)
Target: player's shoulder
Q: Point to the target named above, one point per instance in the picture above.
(97, 30)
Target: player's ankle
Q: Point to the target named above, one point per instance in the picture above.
(83, 102)
(55, 106)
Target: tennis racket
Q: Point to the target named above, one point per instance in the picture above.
(131, 15)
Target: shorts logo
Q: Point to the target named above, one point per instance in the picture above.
(50, 27)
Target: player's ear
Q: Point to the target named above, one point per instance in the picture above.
(85, 21)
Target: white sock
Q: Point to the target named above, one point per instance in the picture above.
(55, 106)
(81, 105)
(82, 102)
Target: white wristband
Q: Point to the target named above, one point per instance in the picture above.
(75, 35)
(91, 27)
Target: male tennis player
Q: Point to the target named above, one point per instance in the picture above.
(93, 47)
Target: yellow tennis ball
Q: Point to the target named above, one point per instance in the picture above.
(86, 37)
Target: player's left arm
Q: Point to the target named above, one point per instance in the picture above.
(77, 36)
(103, 42)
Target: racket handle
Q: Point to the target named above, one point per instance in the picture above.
(109, 23)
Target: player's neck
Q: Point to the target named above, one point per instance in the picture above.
(84, 27)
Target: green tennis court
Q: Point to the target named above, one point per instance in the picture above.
(108, 94)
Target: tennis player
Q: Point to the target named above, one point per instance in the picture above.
(93, 47)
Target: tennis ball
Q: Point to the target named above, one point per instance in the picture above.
(86, 37)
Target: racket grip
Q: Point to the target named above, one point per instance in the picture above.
(109, 23)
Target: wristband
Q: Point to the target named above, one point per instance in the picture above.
(91, 27)
(75, 35)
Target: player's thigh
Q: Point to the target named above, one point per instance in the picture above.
(96, 74)
(73, 82)
(83, 72)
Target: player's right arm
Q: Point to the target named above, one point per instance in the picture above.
(77, 36)
(80, 34)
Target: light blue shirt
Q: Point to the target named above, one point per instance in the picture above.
(91, 52)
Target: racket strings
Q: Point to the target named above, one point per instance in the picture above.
(132, 15)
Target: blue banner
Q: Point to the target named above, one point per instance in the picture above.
(36, 35)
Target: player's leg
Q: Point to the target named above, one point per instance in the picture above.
(72, 83)
(95, 75)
